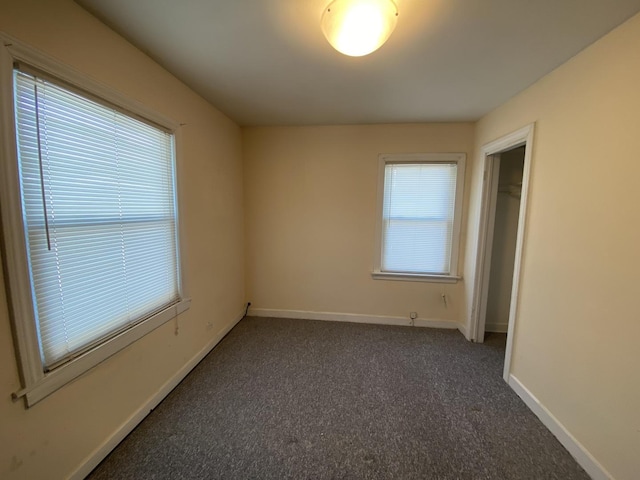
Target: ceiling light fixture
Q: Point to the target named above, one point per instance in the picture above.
(358, 27)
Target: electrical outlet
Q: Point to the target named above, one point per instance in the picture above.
(413, 315)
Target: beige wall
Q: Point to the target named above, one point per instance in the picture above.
(53, 438)
(310, 196)
(576, 335)
(504, 241)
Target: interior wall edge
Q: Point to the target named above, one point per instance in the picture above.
(462, 328)
(99, 454)
(578, 451)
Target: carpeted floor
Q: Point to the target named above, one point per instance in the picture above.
(304, 399)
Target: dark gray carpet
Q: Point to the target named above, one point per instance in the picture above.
(302, 399)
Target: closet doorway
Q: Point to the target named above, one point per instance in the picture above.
(506, 166)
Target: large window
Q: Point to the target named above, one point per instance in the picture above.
(419, 216)
(99, 233)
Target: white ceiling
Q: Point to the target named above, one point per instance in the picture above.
(266, 62)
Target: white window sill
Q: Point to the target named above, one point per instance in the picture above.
(62, 375)
(415, 277)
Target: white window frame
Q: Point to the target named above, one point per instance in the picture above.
(420, 158)
(36, 383)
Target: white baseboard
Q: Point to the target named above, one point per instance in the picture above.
(496, 327)
(574, 447)
(353, 318)
(132, 422)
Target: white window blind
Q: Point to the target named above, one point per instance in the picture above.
(99, 213)
(418, 217)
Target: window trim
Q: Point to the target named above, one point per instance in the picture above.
(37, 384)
(383, 160)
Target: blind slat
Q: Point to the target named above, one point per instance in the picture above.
(417, 217)
(104, 183)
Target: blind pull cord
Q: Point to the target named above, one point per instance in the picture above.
(44, 197)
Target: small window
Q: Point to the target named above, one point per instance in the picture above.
(419, 207)
(97, 201)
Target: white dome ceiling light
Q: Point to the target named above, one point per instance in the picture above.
(358, 27)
